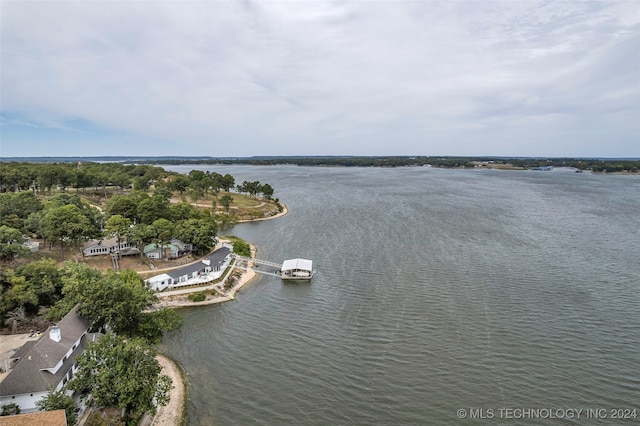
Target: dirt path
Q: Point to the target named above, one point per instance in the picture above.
(171, 414)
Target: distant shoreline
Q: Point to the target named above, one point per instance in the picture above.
(629, 165)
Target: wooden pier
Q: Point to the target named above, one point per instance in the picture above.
(258, 265)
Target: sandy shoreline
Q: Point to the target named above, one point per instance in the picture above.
(172, 413)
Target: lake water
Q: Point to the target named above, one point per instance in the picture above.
(437, 290)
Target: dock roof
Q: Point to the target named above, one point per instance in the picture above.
(303, 264)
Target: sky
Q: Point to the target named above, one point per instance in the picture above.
(245, 78)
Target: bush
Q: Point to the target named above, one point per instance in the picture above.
(241, 248)
(10, 409)
(197, 297)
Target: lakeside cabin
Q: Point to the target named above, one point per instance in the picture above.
(297, 269)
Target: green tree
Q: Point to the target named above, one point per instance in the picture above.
(141, 183)
(77, 278)
(140, 235)
(152, 325)
(226, 201)
(267, 191)
(123, 205)
(180, 183)
(67, 223)
(116, 300)
(162, 231)
(44, 277)
(120, 372)
(11, 244)
(19, 205)
(183, 211)
(18, 293)
(199, 232)
(59, 400)
(117, 226)
(152, 209)
(227, 182)
(163, 190)
(196, 194)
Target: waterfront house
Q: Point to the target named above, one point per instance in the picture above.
(201, 272)
(45, 364)
(108, 246)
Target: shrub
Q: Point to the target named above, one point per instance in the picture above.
(197, 297)
(241, 248)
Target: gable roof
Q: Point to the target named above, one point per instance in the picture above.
(105, 242)
(30, 374)
(291, 264)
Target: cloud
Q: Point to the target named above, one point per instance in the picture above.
(308, 78)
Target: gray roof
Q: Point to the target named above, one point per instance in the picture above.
(23, 349)
(27, 375)
(216, 259)
(104, 242)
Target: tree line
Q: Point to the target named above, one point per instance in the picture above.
(593, 164)
(35, 201)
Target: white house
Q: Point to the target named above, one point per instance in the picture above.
(45, 364)
(201, 272)
(108, 246)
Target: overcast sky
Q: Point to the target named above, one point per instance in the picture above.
(243, 78)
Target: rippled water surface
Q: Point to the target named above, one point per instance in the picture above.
(437, 290)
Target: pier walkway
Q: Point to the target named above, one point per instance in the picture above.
(257, 265)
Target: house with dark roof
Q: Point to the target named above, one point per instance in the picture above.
(209, 269)
(45, 364)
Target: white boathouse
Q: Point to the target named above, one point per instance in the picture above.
(297, 269)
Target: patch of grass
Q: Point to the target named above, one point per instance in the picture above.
(240, 247)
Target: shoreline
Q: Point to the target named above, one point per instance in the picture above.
(275, 216)
(175, 412)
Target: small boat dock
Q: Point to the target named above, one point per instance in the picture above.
(292, 269)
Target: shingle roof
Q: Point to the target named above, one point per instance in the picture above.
(43, 418)
(29, 373)
(105, 242)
